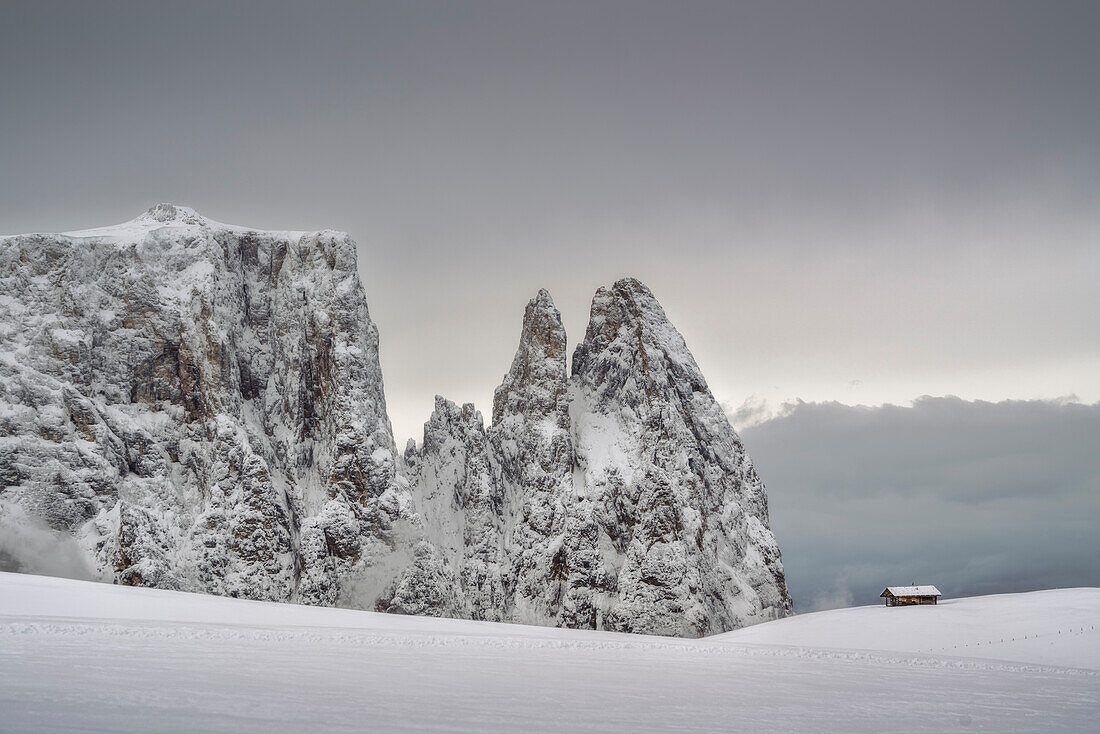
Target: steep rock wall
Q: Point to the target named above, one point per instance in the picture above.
(200, 405)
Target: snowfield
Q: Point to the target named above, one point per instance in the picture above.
(1055, 627)
(79, 656)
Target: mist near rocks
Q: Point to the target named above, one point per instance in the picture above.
(28, 545)
(974, 497)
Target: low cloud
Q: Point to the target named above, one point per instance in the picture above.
(975, 497)
(28, 545)
(754, 411)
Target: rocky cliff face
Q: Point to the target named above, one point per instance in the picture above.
(461, 505)
(622, 497)
(200, 406)
(678, 508)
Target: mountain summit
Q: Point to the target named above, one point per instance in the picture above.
(171, 213)
(200, 406)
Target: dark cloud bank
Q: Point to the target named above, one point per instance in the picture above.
(975, 497)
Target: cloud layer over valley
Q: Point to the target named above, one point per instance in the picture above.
(975, 497)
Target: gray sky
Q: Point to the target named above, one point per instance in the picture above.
(860, 202)
(849, 202)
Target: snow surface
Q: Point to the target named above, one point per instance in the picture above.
(169, 215)
(1055, 627)
(78, 656)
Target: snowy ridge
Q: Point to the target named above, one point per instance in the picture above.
(174, 216)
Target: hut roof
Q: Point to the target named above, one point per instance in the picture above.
(911, 591)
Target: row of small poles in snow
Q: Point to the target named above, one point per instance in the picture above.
(1070, 631)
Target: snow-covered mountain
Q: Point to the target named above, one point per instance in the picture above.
(200, 407)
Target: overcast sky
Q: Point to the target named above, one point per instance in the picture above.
(850, 202)
(974, 497)
(857, 202)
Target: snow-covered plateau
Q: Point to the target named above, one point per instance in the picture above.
(197, 406)
(79, 656)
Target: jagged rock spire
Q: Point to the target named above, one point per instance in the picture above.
(534, 455)
(628, 328)
(535, 386)
(669, 479)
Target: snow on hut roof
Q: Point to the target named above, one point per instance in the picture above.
(911, 591)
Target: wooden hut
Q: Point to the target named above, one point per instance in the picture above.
(903, 596)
